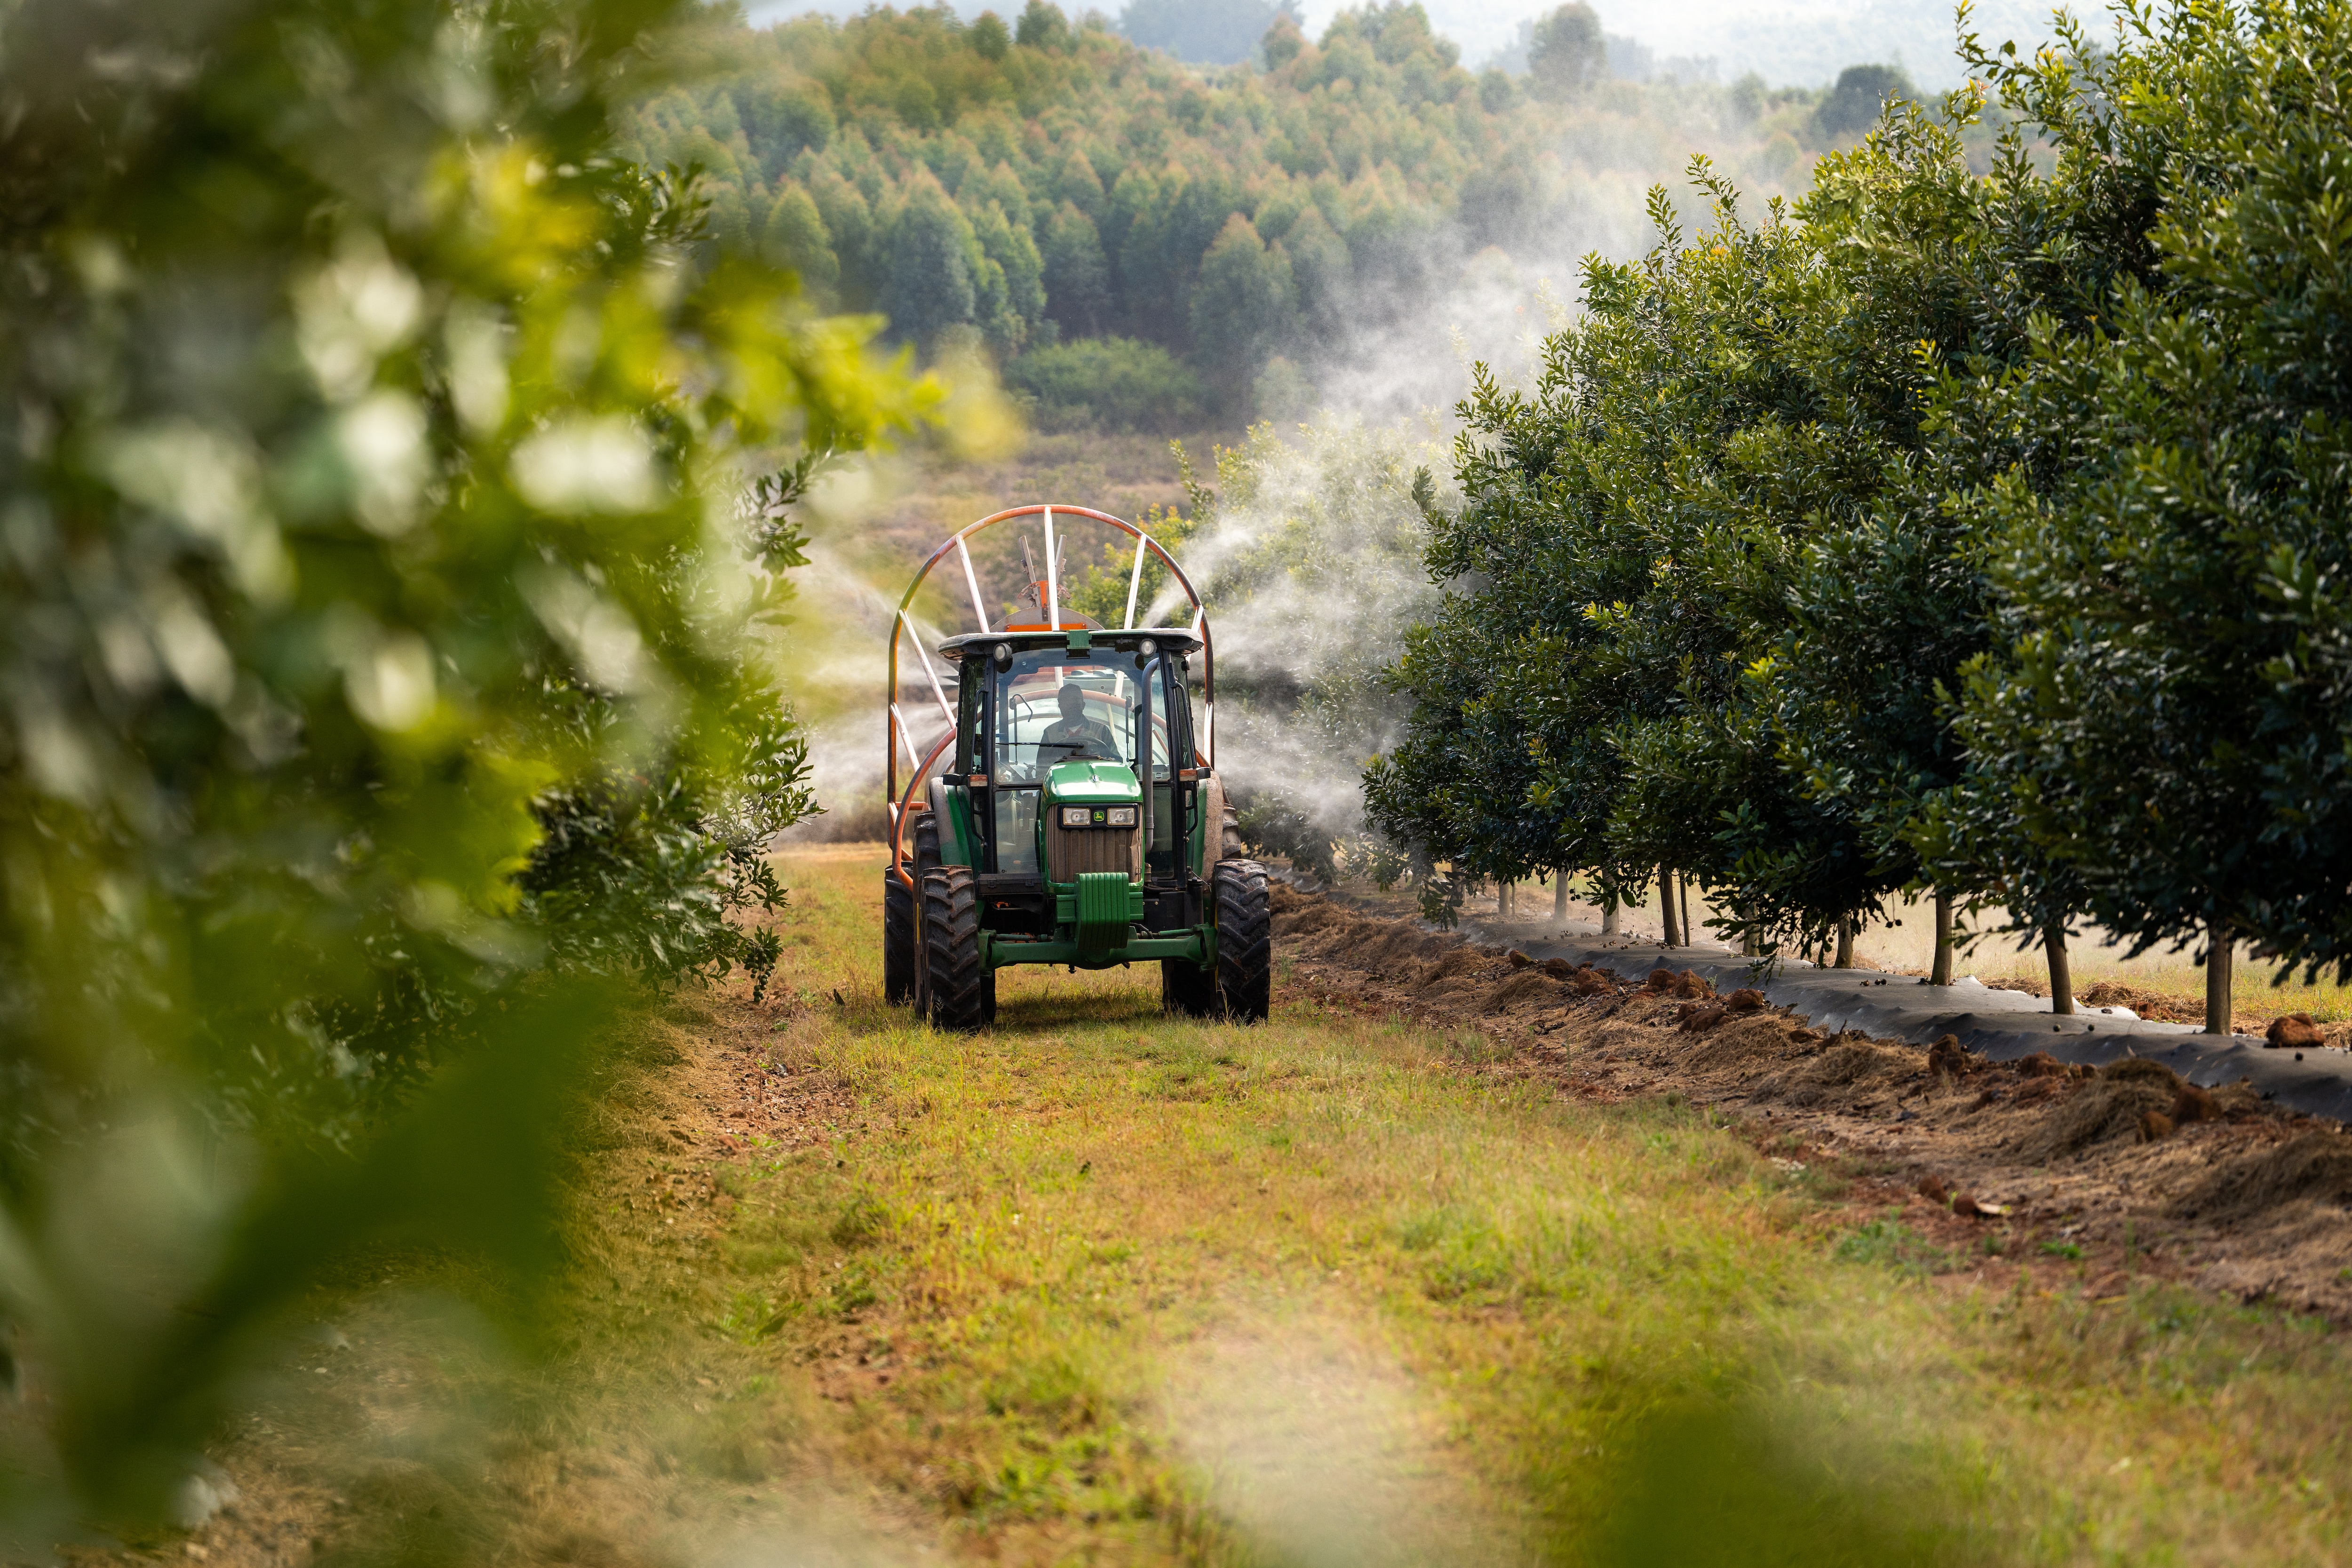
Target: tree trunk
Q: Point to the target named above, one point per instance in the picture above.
(2062, 979)
(1942, 974)
(1667, 935)
(2220, 961)
(1608, 914)
(1558, 897)
(1682, 907)
(1845, 943)
(1502, 901)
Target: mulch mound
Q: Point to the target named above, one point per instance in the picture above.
(2033, 1141)
(2314, 1165)
(1441, 971)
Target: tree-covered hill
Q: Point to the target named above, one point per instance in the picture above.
(1042, 180)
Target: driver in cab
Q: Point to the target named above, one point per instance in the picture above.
(1074, 734)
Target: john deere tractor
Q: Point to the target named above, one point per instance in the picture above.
(1070, 812)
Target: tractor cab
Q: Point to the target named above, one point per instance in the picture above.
(1076, 755)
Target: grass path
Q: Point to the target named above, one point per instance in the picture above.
(1096, 1286)
(1101, 1286)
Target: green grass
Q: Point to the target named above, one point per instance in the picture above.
(1099, 1285)
(1095, 1286)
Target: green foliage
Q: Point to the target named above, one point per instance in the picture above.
(990, 36)
(1109, 384)
(1077, 274)
(1245, 307)
(1220, 32)
(1883, 615)
(1630, 527)
(1566, 54)
(384, 645)
(1121, 193)
(934, 256)
(1854, 103)
(1042, 27)
(2166, 707)
(1977, 531)
(796, 237)
(1274, 824)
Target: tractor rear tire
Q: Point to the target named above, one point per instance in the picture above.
(898, 938)
(922, 840)
(959, 987)
(1229, 837)
(1187, 989)
(1244, 942)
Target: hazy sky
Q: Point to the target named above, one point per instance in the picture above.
(1668, 27)
(1793, 41)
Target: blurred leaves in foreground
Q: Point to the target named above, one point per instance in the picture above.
(1740, 1486)
(390, 507)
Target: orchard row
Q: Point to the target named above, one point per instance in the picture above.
(1977, 535)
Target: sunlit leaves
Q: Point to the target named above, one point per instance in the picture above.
(2171, 699)
(381, 660)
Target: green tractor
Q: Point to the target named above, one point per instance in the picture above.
(1070, 812)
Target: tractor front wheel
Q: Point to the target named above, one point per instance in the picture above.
(898, 938)
(1240, 985)
(960, 988)
(1244, 942)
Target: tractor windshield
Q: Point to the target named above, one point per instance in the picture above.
(1047, 708)
(1053, 709)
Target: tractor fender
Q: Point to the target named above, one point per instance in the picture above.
(1211, 802)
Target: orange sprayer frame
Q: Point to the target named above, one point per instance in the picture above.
(897, 734)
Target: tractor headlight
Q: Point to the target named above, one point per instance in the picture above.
(1122, 817)
(1076, 817)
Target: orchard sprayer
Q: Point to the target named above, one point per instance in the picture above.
(1067, 810)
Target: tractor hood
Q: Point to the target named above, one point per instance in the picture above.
(1092, 784)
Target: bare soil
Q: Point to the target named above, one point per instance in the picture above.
(2029, 1175)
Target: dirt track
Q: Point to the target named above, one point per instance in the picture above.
(2078, 1178)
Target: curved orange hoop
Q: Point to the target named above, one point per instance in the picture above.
(900, 806)
(897, 734)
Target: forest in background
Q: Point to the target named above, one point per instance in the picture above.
(1137, 241)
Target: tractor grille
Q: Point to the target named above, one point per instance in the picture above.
(1069, 852)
